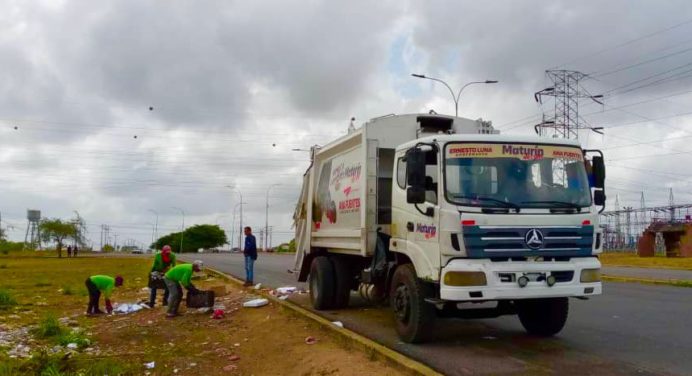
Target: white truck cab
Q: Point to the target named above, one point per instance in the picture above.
(431, 211)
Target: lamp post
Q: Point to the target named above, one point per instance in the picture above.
(233, 225)
(182, 231)
(240, 235)
(155, 233)
(456, 97)
(266, 219)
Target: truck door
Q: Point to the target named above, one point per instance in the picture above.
(418, 225)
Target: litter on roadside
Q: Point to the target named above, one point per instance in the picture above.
(338, 323)
(310, 340)
(258, 286)
(286, 290)
(255, 303)
(72, 346)
(126, 308)
(150, 365)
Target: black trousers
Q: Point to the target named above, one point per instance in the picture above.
(94, 296)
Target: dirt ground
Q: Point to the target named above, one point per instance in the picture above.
(631, 259)
(247, 341)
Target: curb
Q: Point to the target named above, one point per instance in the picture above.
(398, 360)
(646, 281)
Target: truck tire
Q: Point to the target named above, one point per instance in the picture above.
(412, 315)
(321, 283)
(543, 317)
(344, 282)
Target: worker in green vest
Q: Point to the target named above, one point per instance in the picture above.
(163, 261)
(177, 276)
(98, 284)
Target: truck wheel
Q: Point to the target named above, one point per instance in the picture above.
(412, 315)
(344, 281)
(321, 283)
(543, 317)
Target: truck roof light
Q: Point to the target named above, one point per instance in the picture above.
(468, 222)
(586, 222)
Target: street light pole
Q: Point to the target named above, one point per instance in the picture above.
(182, 231)
(267, 243)
(455, 98)
(240, 235)
(155, 233)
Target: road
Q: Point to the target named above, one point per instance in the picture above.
(630, 329)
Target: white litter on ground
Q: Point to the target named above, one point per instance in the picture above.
(286, 290)
(150, 365)
(256, 303)
(338, 323)
(72, 346)
(126, 308)
(258, 286)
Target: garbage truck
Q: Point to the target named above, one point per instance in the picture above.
(445, 217)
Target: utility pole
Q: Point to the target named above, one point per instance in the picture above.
(261, 236)
(671, 203)
(115, 242)
(182, 231)
(267, 244)
(155, 234)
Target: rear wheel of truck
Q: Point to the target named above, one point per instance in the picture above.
(413, 316)
(343, 282)
(543, 317)
(321, 283)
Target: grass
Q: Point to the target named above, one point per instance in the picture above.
(48, 327)
(67, 290)
(7, 300)
(631, 259)
(77, 337)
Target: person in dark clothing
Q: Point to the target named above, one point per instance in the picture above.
(74, 251)
(98, 284)
(250, 253)
(69, 251)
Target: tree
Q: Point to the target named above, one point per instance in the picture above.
(55, 230)
(195, 237)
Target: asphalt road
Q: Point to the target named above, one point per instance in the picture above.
(630, 329)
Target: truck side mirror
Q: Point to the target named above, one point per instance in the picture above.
(599, 197)
(598, 171)
(415, 176)
(415, 168)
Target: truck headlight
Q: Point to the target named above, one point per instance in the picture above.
(590, 275)
(465, 279)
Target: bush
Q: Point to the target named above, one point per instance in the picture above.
(6, 299)
(48, 327)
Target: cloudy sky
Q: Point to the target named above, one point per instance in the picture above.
(118, 108)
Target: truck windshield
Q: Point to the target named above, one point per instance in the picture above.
(516, 175)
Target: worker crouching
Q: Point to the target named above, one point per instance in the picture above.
(175, 277)
(97, 284)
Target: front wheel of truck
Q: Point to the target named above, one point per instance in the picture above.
(321, 282)
(412, 314)
(543, 317)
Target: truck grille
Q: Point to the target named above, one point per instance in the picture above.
(496, 241)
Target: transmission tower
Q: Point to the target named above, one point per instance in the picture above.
(671, 203)
(32, 239)
(563, 120)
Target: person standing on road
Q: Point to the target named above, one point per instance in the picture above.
(163, 261)
(97, 284)
(176, 276)
(250, 253)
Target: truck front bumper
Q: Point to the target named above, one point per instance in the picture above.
(502, 279)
